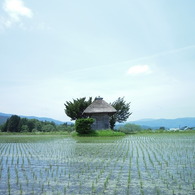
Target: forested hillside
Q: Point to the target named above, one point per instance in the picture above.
(17, 124)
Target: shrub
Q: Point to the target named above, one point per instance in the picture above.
(130, 128)
(83, 126)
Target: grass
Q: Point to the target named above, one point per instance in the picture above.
(36, 133)
(100, 133)
(22, 138)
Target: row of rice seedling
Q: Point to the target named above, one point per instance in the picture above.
(136, 164)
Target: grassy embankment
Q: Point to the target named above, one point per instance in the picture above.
(100, 133)
(36, 133)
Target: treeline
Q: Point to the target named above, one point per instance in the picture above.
(18, 124)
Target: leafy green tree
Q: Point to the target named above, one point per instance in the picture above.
(31, 124)
(24, 128)
(4, 126)
(75, 108)
(23, 121)
(13, 124)
(38, 125)
(48, 128)
(122, 112)
(17, 124)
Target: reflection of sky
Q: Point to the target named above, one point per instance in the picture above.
(156, 162)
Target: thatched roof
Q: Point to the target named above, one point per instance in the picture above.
(99, 106)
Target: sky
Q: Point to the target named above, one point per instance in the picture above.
(56, 51)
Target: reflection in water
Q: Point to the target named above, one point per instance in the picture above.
(137, 164)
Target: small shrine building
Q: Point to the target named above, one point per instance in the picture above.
(101, 112)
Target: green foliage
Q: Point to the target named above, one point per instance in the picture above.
(13, 124)
(4, 126)
(31, 124)
(130, 128)
(24, 128)
(162, 128)
(17, 124)
(122, 113)
(75, 109)
(23, 124)
(48, 128)
(27, 124)
(65, 127)
(38, 125)
(83, 126)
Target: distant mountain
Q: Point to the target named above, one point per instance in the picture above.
(4, 117)
(167, 123)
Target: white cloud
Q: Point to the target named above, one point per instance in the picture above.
(15, 10)
(138, 69)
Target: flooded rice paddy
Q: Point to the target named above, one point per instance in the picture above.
(136, 164)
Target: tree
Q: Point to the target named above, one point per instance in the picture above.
(23, 122)
(4, 126)
(31, 124)
(48, 128)
(24, 128)
(38, 125)
(122, 112)
(75, 109)
(13, 124)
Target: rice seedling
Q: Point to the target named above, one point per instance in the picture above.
(136, 164)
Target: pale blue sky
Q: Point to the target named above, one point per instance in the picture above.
(54, 51)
